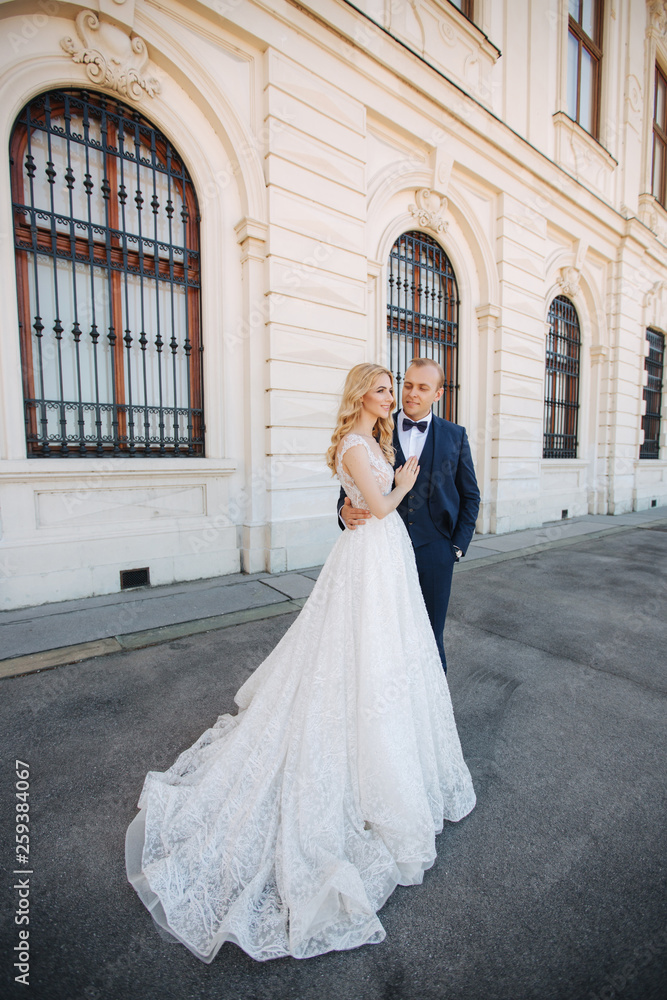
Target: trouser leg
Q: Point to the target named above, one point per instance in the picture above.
(435, 566)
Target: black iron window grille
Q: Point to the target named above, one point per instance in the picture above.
(106, 230)
(423, 313)
(653, 365)
(561, 396)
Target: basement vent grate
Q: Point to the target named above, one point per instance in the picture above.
(134, 578)
(654, 503)
(564, 514)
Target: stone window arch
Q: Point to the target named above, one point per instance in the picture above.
(561, 393)
(423, 312)
(652, 395)
(106, 230)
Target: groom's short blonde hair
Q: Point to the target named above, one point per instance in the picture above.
(422, 362)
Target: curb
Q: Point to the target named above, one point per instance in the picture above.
(531, 550)
(62, 655)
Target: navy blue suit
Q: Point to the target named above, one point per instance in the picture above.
(439, 512)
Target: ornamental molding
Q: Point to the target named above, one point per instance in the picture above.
(655, 294)
(655, 307)
(656, 223)
(657, 10)
(428, 210)
(569, 275)
(112, 58)
(568, 280)
(633, 100)
(656, 289)
(653, 215)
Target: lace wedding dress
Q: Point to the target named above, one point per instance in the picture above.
(285, 827)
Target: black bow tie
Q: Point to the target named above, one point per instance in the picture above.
(419, 424)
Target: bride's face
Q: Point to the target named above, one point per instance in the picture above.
(379, 400)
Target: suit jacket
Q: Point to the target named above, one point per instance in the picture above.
(450, 488)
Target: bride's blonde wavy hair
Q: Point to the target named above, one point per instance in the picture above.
(359, 381)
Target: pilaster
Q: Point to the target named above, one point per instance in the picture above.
(252, 235)
(488, 317)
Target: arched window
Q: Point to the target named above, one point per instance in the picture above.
(561, 394)
(106, 230)
(423, 312)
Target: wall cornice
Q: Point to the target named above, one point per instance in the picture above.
(387, 63)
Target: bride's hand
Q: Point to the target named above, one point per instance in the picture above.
(406, 475)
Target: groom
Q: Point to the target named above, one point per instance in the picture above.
(441, 509)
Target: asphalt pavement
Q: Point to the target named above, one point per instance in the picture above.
(552, 889)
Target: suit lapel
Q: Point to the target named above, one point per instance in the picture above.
(428, 451)
(442, 449)
(400, 457)
(436, 428)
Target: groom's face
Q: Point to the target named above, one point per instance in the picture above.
(420, 391)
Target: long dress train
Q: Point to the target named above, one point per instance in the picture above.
(285, 827)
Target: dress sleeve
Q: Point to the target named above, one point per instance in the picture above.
(349, 441)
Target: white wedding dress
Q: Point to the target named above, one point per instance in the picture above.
(284, 828)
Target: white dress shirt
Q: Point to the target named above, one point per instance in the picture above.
(412, 441)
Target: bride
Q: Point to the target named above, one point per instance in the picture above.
(285, 827)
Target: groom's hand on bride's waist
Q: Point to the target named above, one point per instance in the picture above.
(351, 516)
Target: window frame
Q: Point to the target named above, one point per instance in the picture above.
(412, 331)
(594, 47)
(562, 382)
(650, 447)
(659, 134)
(115, 258)
(467, 8)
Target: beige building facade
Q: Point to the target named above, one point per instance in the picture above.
(513, 152)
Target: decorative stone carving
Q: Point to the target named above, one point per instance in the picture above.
(472, 69)
(657, 225)
(568, 279)
(582, 156)
(442, 161)
(657, 10)
(655, 307)
(652, 214)
(449, 35)
(584, 160)
(428, 210)
(653, 291)
(112, 58)
(633, 101)
(418, 20)
(655, 304)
